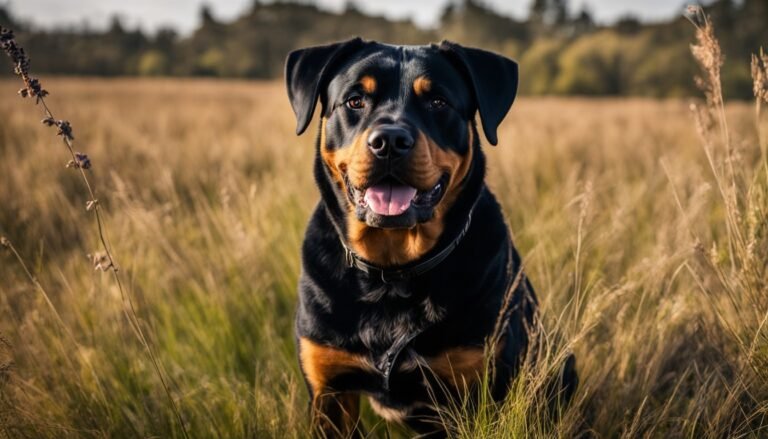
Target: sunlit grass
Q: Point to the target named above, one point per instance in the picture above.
(613, 204)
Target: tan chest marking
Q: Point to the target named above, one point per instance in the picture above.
(322, 363)
(458, 366)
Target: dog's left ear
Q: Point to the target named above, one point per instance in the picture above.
(494, 80)
(306, 71)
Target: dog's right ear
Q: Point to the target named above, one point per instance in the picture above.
(306, 71)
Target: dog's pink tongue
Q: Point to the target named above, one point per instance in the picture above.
(389, 199)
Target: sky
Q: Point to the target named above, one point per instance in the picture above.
(183, 14)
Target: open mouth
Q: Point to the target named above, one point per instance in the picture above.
(390, 198)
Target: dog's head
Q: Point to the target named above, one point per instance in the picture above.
(397, 130)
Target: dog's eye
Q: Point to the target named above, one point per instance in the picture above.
(437, 103)
(355, 102)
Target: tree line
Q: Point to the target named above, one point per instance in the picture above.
(560, 51)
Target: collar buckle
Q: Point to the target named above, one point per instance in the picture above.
(350, 258)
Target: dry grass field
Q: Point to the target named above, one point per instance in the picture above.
(644, 236)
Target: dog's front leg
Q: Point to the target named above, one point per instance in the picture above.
(336, 415)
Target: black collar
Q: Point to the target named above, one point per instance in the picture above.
(389, 275)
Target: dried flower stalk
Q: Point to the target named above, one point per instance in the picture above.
(104, 259)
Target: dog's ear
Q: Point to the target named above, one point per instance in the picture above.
(306, 71)
(493, 79)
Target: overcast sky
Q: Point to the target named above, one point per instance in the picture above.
(183, 14)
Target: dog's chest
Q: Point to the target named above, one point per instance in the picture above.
(393, 364)
(402, 375)
(381, 325)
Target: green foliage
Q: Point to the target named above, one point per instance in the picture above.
(538, 66)
(592, 65)
(607, 63)
(476, 25)
(664, 71)
(153, 63)
(560, 52)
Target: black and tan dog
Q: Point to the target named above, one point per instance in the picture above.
(407, 257)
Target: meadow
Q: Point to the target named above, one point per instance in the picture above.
(642, 226)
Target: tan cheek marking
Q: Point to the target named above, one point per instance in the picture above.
(358, 160)
(422, 85)
(446, 160)
(322, 363)
(424, 168)
(353, 159)
(369, 84)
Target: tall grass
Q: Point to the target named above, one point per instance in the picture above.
(104, 259)
(642, 224)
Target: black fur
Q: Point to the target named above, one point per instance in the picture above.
(459, 300)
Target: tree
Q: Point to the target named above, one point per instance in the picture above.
(206, 16)
(165, 39)
(539, 66)
(601, 63)
(559, 11)
(583, 22)
(352, 6)
(538, 12)
(549, 12)
(5, 18)
(116, 26)
(723, 14)
(628, 24)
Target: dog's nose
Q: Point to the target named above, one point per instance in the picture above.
(390, 141)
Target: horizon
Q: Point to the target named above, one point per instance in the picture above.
(150, 16)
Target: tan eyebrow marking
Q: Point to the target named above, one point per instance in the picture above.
(369, 83)
(422, 85)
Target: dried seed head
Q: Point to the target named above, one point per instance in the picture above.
(704, 119)
(695, 14)
(760, 76)
(65, 129)
(708, 55)
(100, 261)
(714, 254)
(21, 65)
(5, 36)
(82, 160)
(699, 249)
(586, 199)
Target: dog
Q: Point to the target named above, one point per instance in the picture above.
(407, 259)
